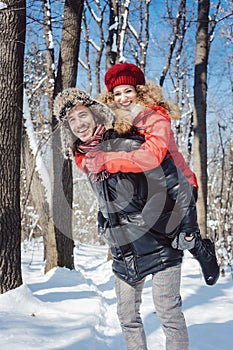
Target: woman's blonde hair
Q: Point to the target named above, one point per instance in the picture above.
(147, 95)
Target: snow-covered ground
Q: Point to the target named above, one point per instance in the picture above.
(76, 310)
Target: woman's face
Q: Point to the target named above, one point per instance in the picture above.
(125, 96)
(81, 122)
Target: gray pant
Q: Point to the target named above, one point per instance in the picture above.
(167, 302)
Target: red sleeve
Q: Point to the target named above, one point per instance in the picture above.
(79, 160)
(156, 129)
(180, 162)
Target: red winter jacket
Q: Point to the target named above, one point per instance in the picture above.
(155, 125)
(176, 156)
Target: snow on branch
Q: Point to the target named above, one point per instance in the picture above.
(133, 31)
(97, 19)
(34, 146)
(3, 5)
(94, 45)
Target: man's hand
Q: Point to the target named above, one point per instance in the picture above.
(183, 241)
(95, 162)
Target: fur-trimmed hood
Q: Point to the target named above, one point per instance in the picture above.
(71, 97)
(68, 99)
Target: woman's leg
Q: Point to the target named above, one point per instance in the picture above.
(168, 304)
(128, 311)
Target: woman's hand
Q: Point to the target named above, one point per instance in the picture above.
(95, 162)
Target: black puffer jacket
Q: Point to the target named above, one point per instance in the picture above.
(143, 212)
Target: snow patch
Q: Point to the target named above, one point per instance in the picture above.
(3, 5)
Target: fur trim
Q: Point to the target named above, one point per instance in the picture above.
(71, 97)
(124, 119)
(123, 122)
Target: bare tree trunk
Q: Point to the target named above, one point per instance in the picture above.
(178, 32)
(59, 251)
(33, 190)
(69, 48)
(87, 64)
(142, 37)
(50, 250)
(12, 39)
(225, 230)
(66, 77)
(200, 95)
(111, 45)
(122, 29)
(99, 50)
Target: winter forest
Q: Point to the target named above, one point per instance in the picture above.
(186, 47)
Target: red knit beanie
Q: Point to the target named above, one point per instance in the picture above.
(124, 74)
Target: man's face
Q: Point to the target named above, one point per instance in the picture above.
(81, 122)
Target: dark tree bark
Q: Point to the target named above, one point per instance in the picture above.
(59, 245)
(69, 49)
(12, 39)
(200, 96)
(113, 27)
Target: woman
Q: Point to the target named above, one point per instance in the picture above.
(127, 90)
(126, 87)
(137, 249)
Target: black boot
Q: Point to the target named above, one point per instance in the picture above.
(204, 252)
